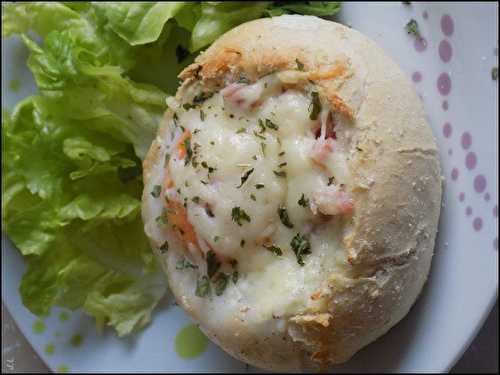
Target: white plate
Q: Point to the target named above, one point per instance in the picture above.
(452, 72)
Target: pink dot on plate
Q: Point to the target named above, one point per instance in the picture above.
(444, 105)
(470, 160)
(487, 197)
(445, 51)
(454, 174)
(466, 140)
(416, 77)
(495, 211)
(461, 197)
(468, 211)
(477, 223)
(444, 84)
(447, 25)
(420, 44)
(447, 129)
(479, 183)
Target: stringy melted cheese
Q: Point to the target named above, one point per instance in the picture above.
(225, 138)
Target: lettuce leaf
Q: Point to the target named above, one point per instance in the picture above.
(71, 154)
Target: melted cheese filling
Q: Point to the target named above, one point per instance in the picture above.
(264, 133)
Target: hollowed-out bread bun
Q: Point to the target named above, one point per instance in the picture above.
(293, 193)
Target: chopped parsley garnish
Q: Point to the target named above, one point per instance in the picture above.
(301, 247)
(244, 80)
(200, 98)
(164, 247)
(303, 201)
(241, 130)
(254, 157)
(202, 287)
(189, 151)
(188, 106)
(242, 243)
(216, 238)
(161, 220)
(233, 263)
(281, 153)
(274, 249)
(183, 264)
(283, 214)
(196, 199)
(494, 73)
(315, 105)
(252, 197)
(271, 125)
(167, 158)
(156, 191)
(176, 119)
(282, 164)
(259, 186)
(331, 180)
(245, 176)
(300, 66)
(238, 215)
(234, 276)
(262, 126)
(209, 212)
(412, 28)
(280, 173)
(212, 263)
(258, 135)
(220, 283)
(202, 115)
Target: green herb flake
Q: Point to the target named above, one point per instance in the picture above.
(202, 287)
(258, 135)
(235, 276)
(216, 238)
(412, 28)
(281, 174)
(252, 197)
(271, 125)
(259, 186)
(164, 247)
(301, 247)
(167, 158)
(303, 201)
(282, 164)
(196, 199)
(315, 105)
(274, 249)
(242, 243)
(243, 80)
(241, 130)
(283, 214)
(161, 220)
(156, 191)
(202, 115)
(300, 65)
(262, 126)
(494, 73)
(331, 180)
(183, 263)
(200, 98)
(221, 283)
(245, 176)
(281, 153)
(212, 263)
(238, 215)
(189, 151)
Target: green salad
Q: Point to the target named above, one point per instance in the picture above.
(71, 154)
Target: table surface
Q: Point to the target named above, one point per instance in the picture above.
(481, 357)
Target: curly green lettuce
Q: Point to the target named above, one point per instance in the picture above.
(71, 154)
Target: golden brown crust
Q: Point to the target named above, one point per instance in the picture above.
(395, 183)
